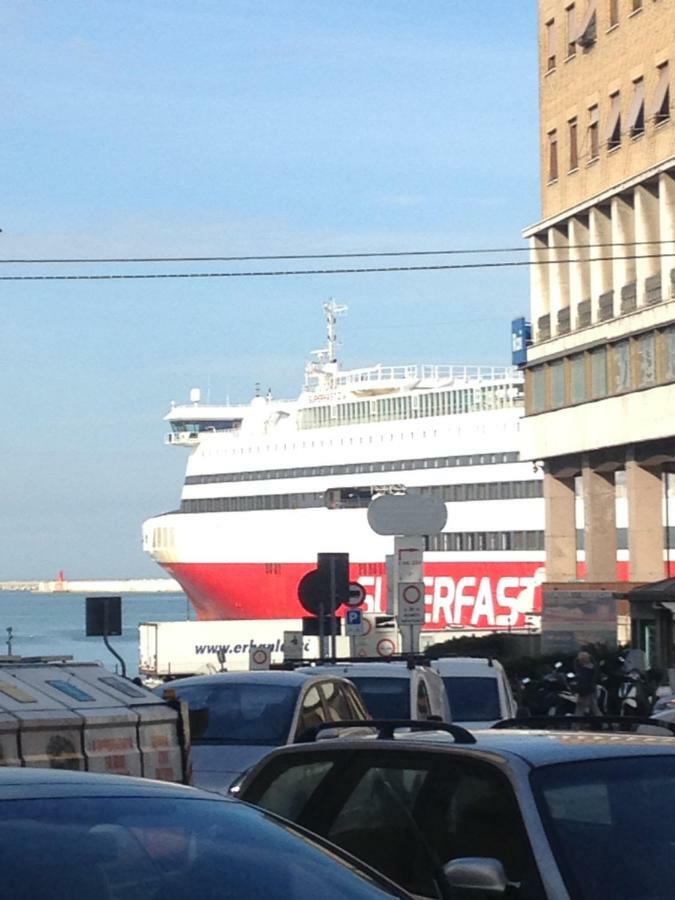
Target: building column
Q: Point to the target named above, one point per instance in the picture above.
(558, 282)
(644, 490)
(560, 537)
(539, 296)
(623, 236)
(646, 231)
(600, 543)
(580, 282)
(600, 231)
(667, 227)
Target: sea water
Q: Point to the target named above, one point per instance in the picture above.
(54, 624)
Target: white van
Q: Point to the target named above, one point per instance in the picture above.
(478, 690)
(393, 690)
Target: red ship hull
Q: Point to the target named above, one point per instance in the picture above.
(478, 595)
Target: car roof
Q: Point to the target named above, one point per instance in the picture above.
(535, 748)
(32, 782)
(467, 665)
(291, 678)
(363, 670)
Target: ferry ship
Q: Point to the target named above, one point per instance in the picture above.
(272, 483)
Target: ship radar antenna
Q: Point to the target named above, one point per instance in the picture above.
(257, 388)
(332, 310)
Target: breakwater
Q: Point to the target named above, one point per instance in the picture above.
(96, 586)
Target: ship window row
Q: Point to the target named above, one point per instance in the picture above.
(412, 406)
(363, 468)
(359, 497)
(463, 541)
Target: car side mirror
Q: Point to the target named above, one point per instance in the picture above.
(481, 874)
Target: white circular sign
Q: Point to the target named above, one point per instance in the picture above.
(260, 656)
(412, 593)
(357, 594)
(385, 647)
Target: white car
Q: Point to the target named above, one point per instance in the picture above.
(478, 690)
(394, 690)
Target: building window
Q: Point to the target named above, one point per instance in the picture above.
(636, 116)
(578, 378)
(538, 381)
(550, 45)
(557, 370)
(613, 133)
(598, 372)
(593, 133)
(669, 353)
(646, 359)
(574, 145)
(571, 31)
(661, 107)
(621, 360)
(552, 155)
(613, 13)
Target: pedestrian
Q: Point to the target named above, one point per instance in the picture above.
(586, 674)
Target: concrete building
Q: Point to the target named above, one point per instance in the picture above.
(600, 373)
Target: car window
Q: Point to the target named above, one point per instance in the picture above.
(473, 699)
(311, 712)
(615, 810)
(357, 706)
(337, 704)
(385, 698)
(188, 849)
(423, 702)
(230, 712)
(287, 793)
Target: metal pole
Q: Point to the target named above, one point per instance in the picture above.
(333, 605)
(322, 630)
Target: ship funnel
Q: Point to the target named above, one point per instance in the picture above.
(195, 395)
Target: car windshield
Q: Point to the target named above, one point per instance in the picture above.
(385, 698)
(231, 712)
(472, 699)
(611, 826)
(185, 849)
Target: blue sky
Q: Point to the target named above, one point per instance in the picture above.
(231, 127)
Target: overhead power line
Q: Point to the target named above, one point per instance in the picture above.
(272, 273)
(456, 251)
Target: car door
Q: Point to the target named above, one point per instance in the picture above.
(406, 812)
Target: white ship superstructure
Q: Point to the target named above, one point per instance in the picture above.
(271, 483)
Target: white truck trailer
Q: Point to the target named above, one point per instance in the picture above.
(175, 649)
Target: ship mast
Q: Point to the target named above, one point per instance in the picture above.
(332, 311)
(320, 373)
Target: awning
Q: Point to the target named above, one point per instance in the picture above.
(587, 28)
(614, 117)
(661, 92)
(637, 106)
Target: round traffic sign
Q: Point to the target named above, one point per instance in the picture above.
(260, 656)
(367, 624)
(411, 593)
(357, 594)
(385, 647)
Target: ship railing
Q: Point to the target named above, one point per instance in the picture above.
(427, 373)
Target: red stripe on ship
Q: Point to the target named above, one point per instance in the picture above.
(472, 595)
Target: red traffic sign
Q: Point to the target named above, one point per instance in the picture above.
(357, 594)
(411, 603)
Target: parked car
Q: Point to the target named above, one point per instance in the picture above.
(68, 835)
(531, 815)
(394, 689)
(478, 690)
(238, 717)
